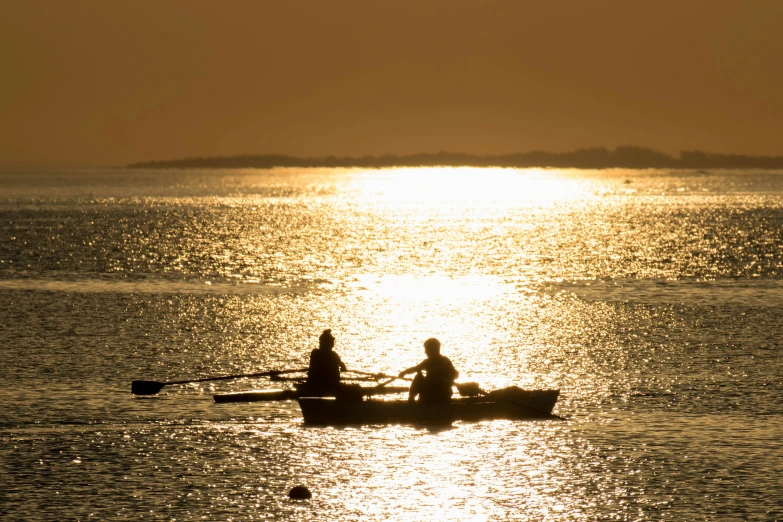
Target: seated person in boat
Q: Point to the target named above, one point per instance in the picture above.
(323, 375)
(435, 375)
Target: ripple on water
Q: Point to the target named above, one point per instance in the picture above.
(652, 306)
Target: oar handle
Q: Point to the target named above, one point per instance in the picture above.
(342, 379)
(382, 384)
(377, 375)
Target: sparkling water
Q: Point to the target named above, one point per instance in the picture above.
(652, 299)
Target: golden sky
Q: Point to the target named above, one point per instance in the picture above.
(109, 82)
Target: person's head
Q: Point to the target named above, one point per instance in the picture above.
(431, 347)
(326, 340)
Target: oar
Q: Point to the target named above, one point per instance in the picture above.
(153, 387)
(375, 375)
(371, 391)
(384, 383)
(342, 379)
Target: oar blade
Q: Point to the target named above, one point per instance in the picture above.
(146, 387)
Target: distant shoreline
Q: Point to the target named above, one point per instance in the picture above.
(592, 158)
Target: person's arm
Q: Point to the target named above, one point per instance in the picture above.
(454, 373)
(311, 366)
(343, 367)
(419, 367)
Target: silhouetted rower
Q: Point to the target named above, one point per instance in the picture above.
(435, 375)
(323, 375)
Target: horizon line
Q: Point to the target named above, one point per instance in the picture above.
(584, 158)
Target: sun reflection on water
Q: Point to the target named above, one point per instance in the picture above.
(638, 307)
(410, 287)
(495, 187)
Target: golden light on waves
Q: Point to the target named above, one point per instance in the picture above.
(437, 286)
(496, 187)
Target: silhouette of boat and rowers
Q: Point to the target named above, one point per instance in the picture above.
(376, 404)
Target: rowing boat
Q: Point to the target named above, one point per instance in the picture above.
(288, 395)
(509, 403)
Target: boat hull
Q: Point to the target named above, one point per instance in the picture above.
(287, 395)
(534, 404)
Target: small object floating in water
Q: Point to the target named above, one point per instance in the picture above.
(299, 493)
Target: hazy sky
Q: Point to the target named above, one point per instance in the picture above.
(109, 82)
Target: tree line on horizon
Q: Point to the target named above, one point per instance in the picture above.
(588, 158)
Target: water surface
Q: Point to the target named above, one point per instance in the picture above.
(651, 299)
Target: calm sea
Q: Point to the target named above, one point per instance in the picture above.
(652, 299)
